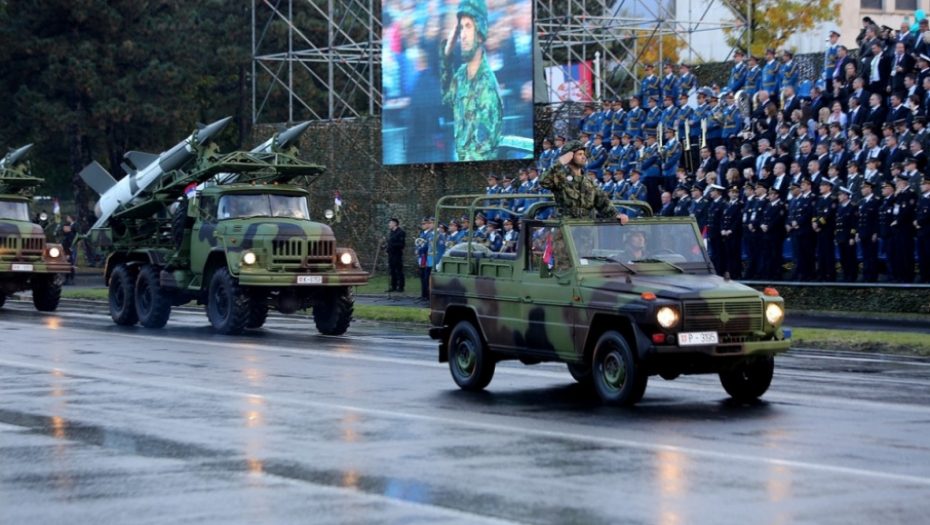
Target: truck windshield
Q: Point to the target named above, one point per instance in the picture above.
(14, 211)
(238, 206)
(613, 243)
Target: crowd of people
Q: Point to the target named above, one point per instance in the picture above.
(769, 171)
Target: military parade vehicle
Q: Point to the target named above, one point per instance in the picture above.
(27, 261)
(232, 232)
(616, 303)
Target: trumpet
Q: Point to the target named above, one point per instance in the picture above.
(687, 135)
(703, 133)
(659, 133)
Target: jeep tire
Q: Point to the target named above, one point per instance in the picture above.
(122, 296)
(581, 373)
(228, 305)
(2, 298)
(259, 312)
(46, 292)
(334, 313)
(470, 363)
(152, 305)
(618, 379)
(749, 381)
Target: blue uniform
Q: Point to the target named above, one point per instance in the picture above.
(493, 190)
(670, 87)
(770, 78)
(753, 80)
(592, 123)
(732, 122)
(737, 78)
(670, 118)
(613, 158)
(596, 160)
(829, 62)
(545, 159)
(671, 156)
(652, 120)
(634, 122)
(650, 87)
(627, 159)
(788, 75)
(686, 83)
(618, 123)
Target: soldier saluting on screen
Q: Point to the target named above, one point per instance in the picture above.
(472, 90)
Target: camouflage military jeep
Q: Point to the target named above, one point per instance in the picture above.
(616, 303)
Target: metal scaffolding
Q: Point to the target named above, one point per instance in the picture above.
(321, 59)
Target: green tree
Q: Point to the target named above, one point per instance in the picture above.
(774, 21)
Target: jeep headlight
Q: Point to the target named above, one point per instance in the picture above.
(54, 253)
(774, 313)
(346, 258)
(249, 258)
(667, 317)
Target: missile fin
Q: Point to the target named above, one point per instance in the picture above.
(140, 159)
(98, 178)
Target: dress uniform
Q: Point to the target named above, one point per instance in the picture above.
(651, 86)
(669, 83)
(885, 218)
(788, 74)
(753, 209)
(597, 157)
(546, 157)
(867, 234)
(737, 74)
(634, 120)
(773, 236)
(800, 219)
(687, 83)
(653, 117)
(902, 233)
(699, 205)
(922, 225)
(770, 74)
(753, 78)
(715, 239)
(847, 220)
(731, 227)
(824, 221)
(683, 207)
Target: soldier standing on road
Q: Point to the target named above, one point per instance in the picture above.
(70, 230)
(396, 242)
(472, 90)
(425, 256)
(847, 218)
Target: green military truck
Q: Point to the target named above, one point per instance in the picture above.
(239, 248)
(616, 303)
(27, 261)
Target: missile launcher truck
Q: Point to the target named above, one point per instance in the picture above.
(239, 248)
(27, 261)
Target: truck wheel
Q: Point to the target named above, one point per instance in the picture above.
(2, 299)
(259, 312)
(617, 377)
(46, 292)
(122, 296)
(333, 316)
(152, 306)
(179, 223)
(581, 372)
(751, 380)
(228, 306)
(471, 364)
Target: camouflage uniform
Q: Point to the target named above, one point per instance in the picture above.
(476, 102)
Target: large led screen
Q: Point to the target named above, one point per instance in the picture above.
(457, 78)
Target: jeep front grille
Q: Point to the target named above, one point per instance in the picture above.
(722, 316)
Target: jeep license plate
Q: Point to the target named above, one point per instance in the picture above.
(309, 279)
(697, 338)
(22, 268)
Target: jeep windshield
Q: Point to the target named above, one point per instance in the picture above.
(243, 206)
(14, 211)
(668, 243)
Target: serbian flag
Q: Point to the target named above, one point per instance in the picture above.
(547, 254)
(338, 200)
(190, 190)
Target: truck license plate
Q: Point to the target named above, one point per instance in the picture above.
(309, 279)
(697, 338)
(22, 267)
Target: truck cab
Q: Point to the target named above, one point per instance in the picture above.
(616, 303)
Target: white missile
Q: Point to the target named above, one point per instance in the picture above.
(280, 140)
(15, 156)
(145, 169)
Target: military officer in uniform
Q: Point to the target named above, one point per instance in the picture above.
(651, 85)
(669, 82)
(425, 256)
(867, 228)
(396, 242)
(847, 219)
(773, 236)
(731, 229)
(545, 158)
(634, 118)
(800, 221)
(922, 225)
(770, 74)
(653, 117)
(715, 239)
(753, 208)
(699, 206)
(683, 206)
(637, 190)
(824, 224)
(687, 83)
(902, 229)
(885, 218)
(510, 237)
(753, 77)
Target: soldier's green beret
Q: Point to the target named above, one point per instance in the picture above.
(478, 11)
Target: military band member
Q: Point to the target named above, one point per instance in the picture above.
(614, 154)
(607, 118)
(651, 168)
(738, 73)
(637, 191)
(493, 239)
(653, 117)
(788, 73)
(651, 86)
(732, 122)
(508, 189)
(753, 77)
(494, 188)
(687, 83)
(592, 121)
(545, 158)
(597, 157)
(425, 256)
(510, 237)
(772, 225)
(621, 186)
(845, 235)
(824, 225)
(885, 218)
(669, 114)
(618, 121)
(480, 233)
(770, 73)
(714, 123)
(627, 154)
(867, 230)
(635, 118)
(922, 225)
(731, 229)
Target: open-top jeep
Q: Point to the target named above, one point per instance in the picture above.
(616, 303)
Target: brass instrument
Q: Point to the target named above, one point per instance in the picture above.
(689, 161)
(659, 133)
(420, 242)
(703, 133)
(687, 135)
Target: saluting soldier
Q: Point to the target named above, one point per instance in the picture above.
(867, 231)
(922, 225)
(847, 219)
(773, 236)
(886, 217)
(715, 239)
(731, 229)
(824, 224)
(902, 229)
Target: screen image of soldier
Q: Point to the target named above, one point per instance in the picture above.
(472, 90)
(396, 242)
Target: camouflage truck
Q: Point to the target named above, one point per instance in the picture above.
(239, 248)
(616, 303)
(27, 260)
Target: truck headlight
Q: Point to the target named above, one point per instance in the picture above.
(667, 317)
(249, 258)
(54, 253)
(774, 313)
(346, 258)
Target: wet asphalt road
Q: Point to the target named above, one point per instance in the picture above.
(105, 425)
